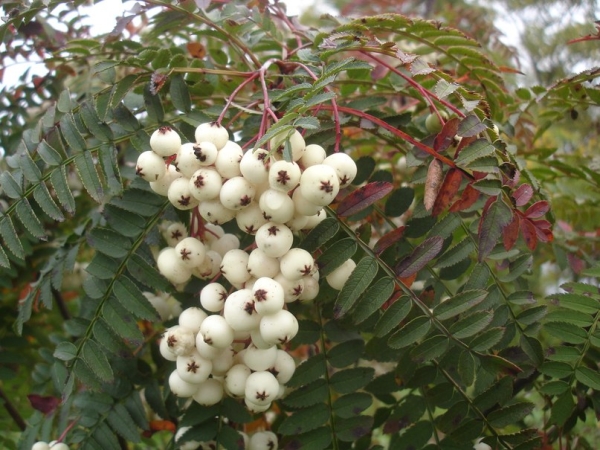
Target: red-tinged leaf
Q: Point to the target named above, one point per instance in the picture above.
(363, 197)
(576, 263)
(469, 196)
(523, 194)
(464, 142)
(543, 228)
(495, 216)
(446, 136)
(471, 126)
(433, 182)
(542, 224)
(529, 234)
(510, 234)
(447, 192)
(420, 256)
(45, 404)
(537, 210)
(408, 281)
(388, 240)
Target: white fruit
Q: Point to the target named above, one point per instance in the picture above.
(261, 388)
(223, 362)
(210, 392)
(175, 233)
(205, 184)
(254, 408)
(216, 332)
(213, 211)
(210, 266)
(165, 351)
(296, 264)
(298, 222)
(180, 195)
(165, 141)
(292, 289)
(225, 243)
(212, 233)
(212, 132)
(206, 351)
(254, 166)
(191, 251)
(181, 388)
(251, 218)
(313, 154)
(315, 220)
(261, 265)
(284, 176)
(340, 275)
(279, 328)
(268, 296)
(206, 153)
(263, 440)
(58, 446)
(234, 266)
(180, 340)
(228, 160)
(237, 193)
(235, 379)
(276, 206)
(311, 289)
(284, 366)
(259, 359)
(186, 161)
(171, 267)
(239, 311)
(274, 239)
(192, 318)
(161, 186)
(296, 143)
(303, 206)
(319, 184)
(344, 166)
(212, 297)
(150, 166)
(193, 368)
(258, 341)
(40, 445)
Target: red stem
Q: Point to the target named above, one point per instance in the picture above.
(234, 94)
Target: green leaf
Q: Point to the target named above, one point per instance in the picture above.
(96, 360)
(365, 166)
(471, 324)
(589, 377)
(476, 150)
(399, 201)
(319, 235)
(576, 302)
(410, 332)
(122, 322)
(517, 267)
(556, 369)
(180, 95)
(497, 394)
(457, 413)
(510, 415)
(86, 169)
(352, 404)
(352, 428)
(10, 237)
(4, 261)
(30, 170)
(229, 438)
(96, 127)
(102, 266)
(106, 337)
(567, 332)
(71, 134)
(120, 420)
(42, 197)
(203, 432)
(488, 186)
(346, 353)
(120, 90)
(470, 126)
(487, 339)
(555, 387)
(309, 370)
(456, 254)
(198, 413)
(350, 380)
(10, 186)
(420, 257)
(373, 298)
(137, 201)
(392, 316)
(335, 255)
(109, 242)
(48, 154)
(532, 348)
(304, 420)
(307, 395)
(154, 107)
(466, 368)
(146, 273)
(133, 300)
(576, 318)
(58, 179)
(416, 436)
(429, 349)
(110, 167)
(86, 375)
(360, 278)
(318, 439)
(65, 351)
(562, 409)
(124, 222)
(105, 437)
(64, 102)
(459, 304)
(29, 219)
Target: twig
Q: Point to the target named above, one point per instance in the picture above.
(12, 411)
(62, 306)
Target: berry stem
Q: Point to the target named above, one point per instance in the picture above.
(267, 111)
(234, 94)
(63, 435)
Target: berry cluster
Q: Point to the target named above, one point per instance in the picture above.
(230, 346)
(260, 440)
(52, 445)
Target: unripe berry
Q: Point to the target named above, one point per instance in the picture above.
(344, 166)
(274, 239)
(193, 368)
(284, 176)
(213, 296)
(150, 166)
(180, 387)
(212, 132)
(165, 141)
(263, 440)
(191, 252)
(216, 332)
(170, 266)
(433, 123)
(319, 184)
(261, 388)
(205, 184)
(296, 264)
(237, 193)
(192, 318)
(180, 196)
(279, 328)
(228, 160)
(209, 392)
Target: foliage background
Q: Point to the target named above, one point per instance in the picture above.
(548, 119)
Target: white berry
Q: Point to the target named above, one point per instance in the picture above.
(165, 141)
(212, 132)
(279, 328)
(274, 239)
(193, 368)
(150, 166)
(340, 275)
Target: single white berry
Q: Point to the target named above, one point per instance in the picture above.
(223, 362)
(191, 251)
(209, 392)
(261, 388)
(180, 340)
(239, 311)
(216, 332)
(206, 153)
(258, 341)
(259, 359)
(186, 161)
(298, 222)
(276, 206)
(165, 351)
(251, 218)
(161, 186)
(237, 193)
(295, 141)
(319, 184)
(214, 212)
(205, 184)
(209, 267)
(180, 387)
(296, 263)
(279, 328)
(263, 440)
(206, 351)
(193, 368)
(180, 195)
(213, 296)
(313, 154)
(261, 265)
(284, 176)
(150, 166)
(311, 289)
(54, 445)
(344, 166)
(170, 266)
(234, 266)
(235, 380)
(303, 206)
(228, 160)
(192, 318)
(284, 366)
(165, 141)
(254, 166)
(268, 296)
(340, 275)
(212, 132)
(274, 239)
(225, 243)
(292, 289)
(315, 220)
(174, 233)
(40, 445)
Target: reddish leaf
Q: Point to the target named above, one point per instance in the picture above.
(446, 136)
(543, 229)
(196, 49)
(388, 240)
(523, 194)
(421, 255)
(471, 126)
(510, 234)
(469, 196)
(537, 210)
(364, 197)
(408, 281)
(495, 216)
(576, 263)
(433, 183)
(529, 234)
(447, 191)
(45, 404)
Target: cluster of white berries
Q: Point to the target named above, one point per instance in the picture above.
(52, 445)
(260, 440)
(230, 346)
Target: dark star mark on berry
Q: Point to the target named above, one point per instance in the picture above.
(326, 186)
(139, 171)
(222, 269)
(184, 200)
(223, 296)
(344, 180)
(306, 270)
(283, 340)
(261, 395)
(199, 181)
(200, 156)
(164, 129)
(298, 290)
(185, 254)
(192, 367)
(250, 229)
(249, 308)
(176, 235)
(208, 340)
(271, 445)
(171, 341)
(266, 216)
(274, 371)
(260, 295)
(283, 177)
(273, 230)
(245, 200)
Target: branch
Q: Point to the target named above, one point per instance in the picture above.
(12, 411)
